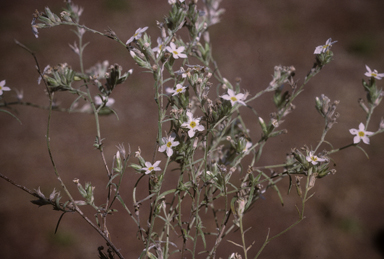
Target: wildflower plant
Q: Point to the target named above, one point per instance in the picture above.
(201, 133)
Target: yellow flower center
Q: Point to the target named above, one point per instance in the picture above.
(151, 168)
(361, 134)
(233, 98)
(169, 144)
(175, 52)
(179, 90)
(192, 124)
(314, 158)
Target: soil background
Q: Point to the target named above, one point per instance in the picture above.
(345, 215)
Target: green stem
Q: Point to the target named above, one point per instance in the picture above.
(243, 237)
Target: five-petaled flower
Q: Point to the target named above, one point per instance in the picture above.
(314, 159)
(149, 167)
(193, 124)
(361, 134)
(373, 73)
(179, 89)
(324, 48)
(137, 35)
(234, 98)
(168, 144)
(176, 52)
(3, 87)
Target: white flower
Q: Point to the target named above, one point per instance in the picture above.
(159, 48)
(361, 134)
(19, 94)
(3, 87)
(314, 159)
(373, 73)
(75, 48)
(193, 124)
(47, 70)
(168, 144)
(99, 101)
(234, 98)
(324, 48)
(99, 70)
(247, 146)
(176, 52)
(183, 73)
(179, 89)
(149, 167)
(137, 35)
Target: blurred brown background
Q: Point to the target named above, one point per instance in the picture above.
(345, 216)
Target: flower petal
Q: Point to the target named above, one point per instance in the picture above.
(226, 97)
(368, 69)
(200, 128)
(169, 152)
(191, 133)
(162, 148)
(361, 127)
(365, 139)
(231, 92)
(182, 55)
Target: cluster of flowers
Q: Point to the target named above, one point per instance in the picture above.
(193, 124)
(220, 132)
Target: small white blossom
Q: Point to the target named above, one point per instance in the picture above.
(3, 87)
(168, 144)
(324, 48)
(247, 146)
(176, 52)
(183, 73)
(234, 98)
(179, 89)
(46, 70)
(99, 101)
(34, 28)
(159, 48)
(314, 159)
(99, 70)
(76, 9)
(373, 73)
(149, 167)
(139, 32)
(193, 124)
(75, 48)
(81, 31)
(361, 134)
(19, 94)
